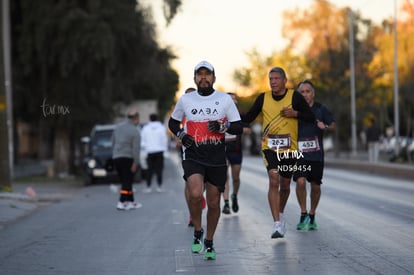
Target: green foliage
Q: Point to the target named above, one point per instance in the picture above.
(73, 60)
(319, 49)
(86, 55)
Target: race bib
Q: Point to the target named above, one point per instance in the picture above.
(307, 145)
(278, 142)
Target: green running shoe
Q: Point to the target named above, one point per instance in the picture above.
(197, 245)
(210, 254)
(226, 209)
(303, 222)
(234, 203)
(312, 226)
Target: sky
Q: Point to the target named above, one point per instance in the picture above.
(222, 31)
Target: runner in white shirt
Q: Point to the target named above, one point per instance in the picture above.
(209, 115)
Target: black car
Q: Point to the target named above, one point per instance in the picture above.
(98, 161)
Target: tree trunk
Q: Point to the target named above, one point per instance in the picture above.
(44, 150)
(61, 151)
(5, 175)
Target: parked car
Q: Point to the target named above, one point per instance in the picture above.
(98, 161)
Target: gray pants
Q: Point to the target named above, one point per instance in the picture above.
(373, 151)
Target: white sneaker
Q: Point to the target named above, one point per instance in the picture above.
(147, 190)
(160, 190)
(282, 217)
(283, 228)
(277, 230)
(122, 206)
(134, 205)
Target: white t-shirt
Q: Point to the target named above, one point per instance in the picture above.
(209, 148)
(154, 137)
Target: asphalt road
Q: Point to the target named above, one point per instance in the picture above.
(365, 227)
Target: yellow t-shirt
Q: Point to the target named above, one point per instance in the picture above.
(279, 133)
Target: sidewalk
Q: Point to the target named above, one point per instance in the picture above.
(359, 162)
(27, 197)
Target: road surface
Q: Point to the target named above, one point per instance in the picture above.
(365, 227)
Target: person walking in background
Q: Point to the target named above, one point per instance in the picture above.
(373, 134)
(209, 115)
(126, 151)
(281, 109)
(310, 166)
(154, 140)
(234, 155)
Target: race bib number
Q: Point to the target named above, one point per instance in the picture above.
(278, 142)
(307, 145)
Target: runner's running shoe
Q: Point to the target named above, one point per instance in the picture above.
(197, 244)
(226, 209)
(210, 253)
(278, 231)
(312, 226)
(303, 222)
(234, 203)
(283, 223)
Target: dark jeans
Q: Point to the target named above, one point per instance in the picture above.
(123, 167)
(155, 162)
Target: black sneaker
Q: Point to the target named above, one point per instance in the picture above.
(234, 204)
(226, 209)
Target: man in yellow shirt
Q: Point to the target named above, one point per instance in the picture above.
(281, 109)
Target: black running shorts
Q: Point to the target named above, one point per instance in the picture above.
(216, 175)
(285, 166)
(311, 170)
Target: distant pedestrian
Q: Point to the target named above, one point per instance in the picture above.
(126, 154)
(373, 134)
(155, 143)
(310, 166)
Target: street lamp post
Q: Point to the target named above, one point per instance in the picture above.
(352, 77)
(6, 147)
(396, 105)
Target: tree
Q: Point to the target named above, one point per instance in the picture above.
(74, 59)
(318, 49)
(382, 66)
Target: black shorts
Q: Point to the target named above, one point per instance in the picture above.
(234, 158)
(311, 170)
(285, 166)
(216, 175)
